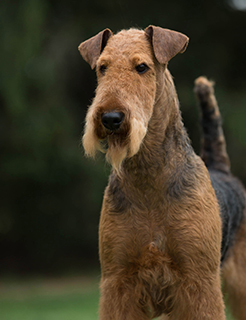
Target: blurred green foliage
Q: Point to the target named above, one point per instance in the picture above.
(50, 194)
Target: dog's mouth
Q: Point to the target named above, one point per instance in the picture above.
(103, 145)
(111, 139)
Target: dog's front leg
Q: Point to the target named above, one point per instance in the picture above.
(120, 301)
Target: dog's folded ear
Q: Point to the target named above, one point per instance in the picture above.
(93, 47)
(166, 43)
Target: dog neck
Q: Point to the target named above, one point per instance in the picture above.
(165, 148)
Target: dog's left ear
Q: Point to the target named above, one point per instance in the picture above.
(91, 49)
(166, 43)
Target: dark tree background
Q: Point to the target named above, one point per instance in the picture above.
(50, 193)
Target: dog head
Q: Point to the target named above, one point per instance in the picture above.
(127, 65)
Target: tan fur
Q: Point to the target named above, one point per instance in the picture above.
(138, 100)
(160, 227)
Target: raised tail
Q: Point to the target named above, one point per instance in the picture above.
(213, 145)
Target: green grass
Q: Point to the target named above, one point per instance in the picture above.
(63, 299)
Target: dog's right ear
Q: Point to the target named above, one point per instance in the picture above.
(91, 49)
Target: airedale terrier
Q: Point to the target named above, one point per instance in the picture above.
(162, 245)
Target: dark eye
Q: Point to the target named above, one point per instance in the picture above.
(142, 68)
(102, 69)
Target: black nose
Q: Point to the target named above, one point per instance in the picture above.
(112, 120)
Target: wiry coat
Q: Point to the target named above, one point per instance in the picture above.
(160, 228)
